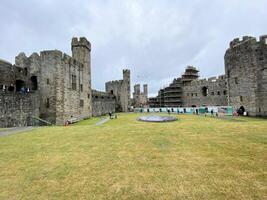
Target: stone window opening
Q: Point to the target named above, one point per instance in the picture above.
(111, 91)
(20, 86)
(205, 91)
(73, 82)
(47, 103)
(25, 71)
(81, 87)
(212, 93)
(34, 83)
(224, 92)
(218, 93)
(259, 109)
(81, 103)
(47, 81)
(241, 98)
(236, 80)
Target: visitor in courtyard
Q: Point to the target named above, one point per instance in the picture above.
(211, 112)
(110, 115)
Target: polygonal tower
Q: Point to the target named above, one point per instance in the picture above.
(81, 51)
(145, 89)
(126, 90)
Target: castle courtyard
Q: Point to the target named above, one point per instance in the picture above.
(195, 157)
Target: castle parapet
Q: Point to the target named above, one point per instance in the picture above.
(82, 41)
(236, 42)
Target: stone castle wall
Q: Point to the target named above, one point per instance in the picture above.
(245, 68)
(18, 109)
(62, 82)
(102, 103)
(205, 92)
(121, 89)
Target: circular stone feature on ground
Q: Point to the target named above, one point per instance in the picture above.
(156, 118)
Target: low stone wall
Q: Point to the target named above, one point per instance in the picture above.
(17, 109)
(102, 103)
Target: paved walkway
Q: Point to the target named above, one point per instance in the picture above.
(15, 130)
(102, 121)
(9, 131)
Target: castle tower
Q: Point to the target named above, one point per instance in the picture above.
(126, 90)
(81, 51)
(145, 89)
(246, 73)
(137, 89)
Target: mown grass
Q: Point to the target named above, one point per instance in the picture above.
(193, 158)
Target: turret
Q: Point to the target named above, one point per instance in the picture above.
(137, 89)
(126, 75)
(145, 89)
(81, 51)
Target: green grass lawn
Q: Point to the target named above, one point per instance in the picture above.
(193, 158)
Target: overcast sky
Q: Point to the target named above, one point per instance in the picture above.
(155, 39)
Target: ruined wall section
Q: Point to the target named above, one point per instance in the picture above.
(115, 88)
(122, 91)
(245, 68)
(18, 109)
(102, 103)
(211, 92)
(7, 75)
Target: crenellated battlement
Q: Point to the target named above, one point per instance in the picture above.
(208, 81)
(82, 41)
(51, 53)
(248, 40)
(115, 82)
